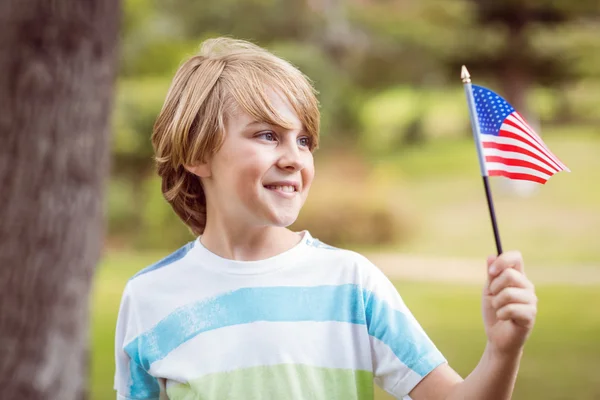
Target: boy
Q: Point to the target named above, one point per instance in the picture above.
(252, 310)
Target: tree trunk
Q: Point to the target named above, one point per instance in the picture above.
(58, 61)
(516, 82)
(515, 75)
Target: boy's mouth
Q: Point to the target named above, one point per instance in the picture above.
(286, 189)
(282, 188)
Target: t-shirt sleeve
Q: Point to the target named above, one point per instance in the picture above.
(132, 381)
(402, 352)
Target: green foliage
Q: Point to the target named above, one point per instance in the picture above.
(161, 227)
(121, 208)
(409, 41)
(333, 86)
(404, 115)
(583, 100)
(137, 106)
(262, 21)
(387, 116)
(544, 103)
(159, 57)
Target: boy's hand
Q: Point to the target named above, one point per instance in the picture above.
(509, 304)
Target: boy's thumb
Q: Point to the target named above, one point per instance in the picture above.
(491, 259)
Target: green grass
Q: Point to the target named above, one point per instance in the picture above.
(562, 358)
(555, 225)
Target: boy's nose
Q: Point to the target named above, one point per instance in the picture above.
(291, 159)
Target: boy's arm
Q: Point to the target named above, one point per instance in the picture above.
(493, 378)
(509, 309)
(131, 381)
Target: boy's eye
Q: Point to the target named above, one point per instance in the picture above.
(269, 136)
(304, 141)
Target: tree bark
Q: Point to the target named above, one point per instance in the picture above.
(58, 60)
(515, 75)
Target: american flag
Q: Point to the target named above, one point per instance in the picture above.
(511, 148)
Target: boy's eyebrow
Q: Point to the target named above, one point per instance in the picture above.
(253, 123)
(264, 123)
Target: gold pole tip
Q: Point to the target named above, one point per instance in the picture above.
(464, 74)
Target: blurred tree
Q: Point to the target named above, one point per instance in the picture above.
(261, 21)
(138, 103)
(519, 62)
(518, 43)
(57, 66)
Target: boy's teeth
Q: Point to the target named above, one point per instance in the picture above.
(287, 189)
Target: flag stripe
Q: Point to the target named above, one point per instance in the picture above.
(518, 117)
(517, 170)
(520, 123)
(534, 139)
(511, 144)
(523, 177)
(513, 133)
(510, 129)
(517, 163)
(517, 156)
(514, 149)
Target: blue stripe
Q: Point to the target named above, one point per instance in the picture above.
(143, 385)
(171, 258)
(400, 333)
(320, 245)
(343, 303)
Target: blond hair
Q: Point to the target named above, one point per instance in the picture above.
(225, 74)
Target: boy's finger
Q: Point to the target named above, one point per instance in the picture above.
(490, 260)
(520, 314)
(512, 295)
(509, 259)
(509, 278)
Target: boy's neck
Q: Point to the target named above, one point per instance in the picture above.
(249, 244)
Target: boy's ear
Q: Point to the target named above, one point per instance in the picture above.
(201, 170)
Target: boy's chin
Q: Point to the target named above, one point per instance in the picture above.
(283, 221)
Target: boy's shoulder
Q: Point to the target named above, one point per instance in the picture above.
(176, 257)
(341, 256)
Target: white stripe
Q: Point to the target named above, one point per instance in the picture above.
(536, 138)
(191, 282)
(322, 344)
(517, 170)
(511, 155)
(381, 286)
(532, 136)
(390, 373)
(517, 119)
(530, 142)
(518, 143)
(563, 167)
(528, 129)
(347, 346)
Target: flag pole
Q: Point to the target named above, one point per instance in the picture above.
(466, 79)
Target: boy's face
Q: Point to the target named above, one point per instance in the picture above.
(262, 174)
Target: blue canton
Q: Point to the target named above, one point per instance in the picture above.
(491, 109)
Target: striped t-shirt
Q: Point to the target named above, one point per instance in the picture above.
(314, 322)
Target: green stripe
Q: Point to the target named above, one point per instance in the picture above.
(281, 382)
